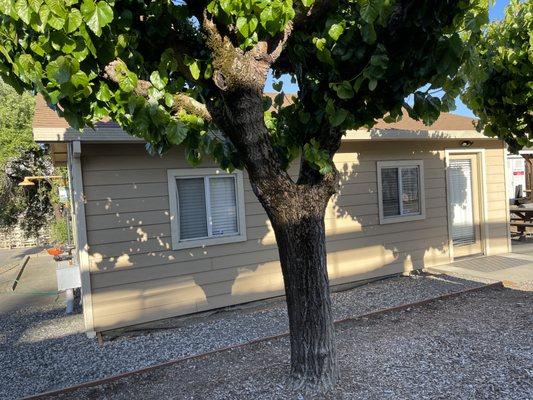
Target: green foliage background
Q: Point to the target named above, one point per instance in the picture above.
(16, 115)
(30, 207)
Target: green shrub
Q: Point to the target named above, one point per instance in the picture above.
(59, 230)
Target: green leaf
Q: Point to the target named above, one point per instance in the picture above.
(176, 132)
(308, 3)
(339, 117)
(35, 4)
(169, 100)
(58, 8)
(369, 34)
(194, 68)
(23, 10)
(55, 21)
(344, 90)
(96, 15)
(193, 156)
(372, 84)
(44, 13)
(358, 82)
(208, 73)
(61, 69)
(80, 79)
(156, 79)
(127, 80)
(242, 26)
(335, 31)
(74, 20)
(277, 86)
(370, 9)
(103, 93)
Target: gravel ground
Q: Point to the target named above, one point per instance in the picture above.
(476, 346)
(42, 349)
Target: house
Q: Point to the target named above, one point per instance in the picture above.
(157, 238)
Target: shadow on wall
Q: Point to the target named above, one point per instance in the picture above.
(136, 274)
(399, 246)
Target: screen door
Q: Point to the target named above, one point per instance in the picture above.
(464, 197)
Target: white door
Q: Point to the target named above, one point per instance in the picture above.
(464, 207)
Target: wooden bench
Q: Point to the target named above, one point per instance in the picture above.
(521, 223)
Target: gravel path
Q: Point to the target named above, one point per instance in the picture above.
(476, 346)
(42, 349)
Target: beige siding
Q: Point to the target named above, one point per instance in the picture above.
(137, 277)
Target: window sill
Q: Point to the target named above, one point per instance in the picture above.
(402, 218)
(206, 242)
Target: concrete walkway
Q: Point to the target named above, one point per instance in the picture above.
(511, 269)
(37, 284)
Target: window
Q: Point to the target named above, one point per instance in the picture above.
(400, 191)
(206, 207)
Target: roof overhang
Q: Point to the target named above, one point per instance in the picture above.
(103, 134)
(404, 134)
(115, 134)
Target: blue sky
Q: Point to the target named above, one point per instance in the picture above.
(496, 12)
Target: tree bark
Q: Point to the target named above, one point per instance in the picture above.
(300, 234)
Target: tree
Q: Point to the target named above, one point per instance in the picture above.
(28, 207)
(500, 79)
(16, 113)
(192, 73)
(20, 156)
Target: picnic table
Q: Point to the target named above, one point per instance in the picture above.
(521, 218)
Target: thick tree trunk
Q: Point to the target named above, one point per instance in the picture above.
(300, 234)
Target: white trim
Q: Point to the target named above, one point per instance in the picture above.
(81, 238)
(521, 152)
(172, 175)
(484, 229)
(76, 149)
(422, 193)
(412, 134)
(506, 179)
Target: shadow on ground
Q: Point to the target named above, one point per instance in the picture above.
(42, 349)
(477, 345)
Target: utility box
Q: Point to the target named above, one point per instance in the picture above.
(68, 275)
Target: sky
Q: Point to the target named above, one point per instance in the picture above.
(496, 12)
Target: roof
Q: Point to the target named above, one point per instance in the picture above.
(48, 126)
(46, 117)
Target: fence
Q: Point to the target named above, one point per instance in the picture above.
(15, 238)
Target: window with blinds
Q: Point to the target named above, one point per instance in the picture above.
(400, 190)
(223, 206)
(206, 207)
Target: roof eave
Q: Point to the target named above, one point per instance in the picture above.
(115, 134)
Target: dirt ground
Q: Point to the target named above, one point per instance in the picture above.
(476, 346)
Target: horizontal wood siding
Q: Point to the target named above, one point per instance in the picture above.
(136, 276)
(497, 213)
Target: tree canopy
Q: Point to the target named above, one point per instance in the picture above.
(153, 66)
(500, 80)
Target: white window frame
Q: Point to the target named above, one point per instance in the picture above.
(401, 164)
(211, 173)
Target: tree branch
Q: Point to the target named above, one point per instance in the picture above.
(181, 100)
(192, 106)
